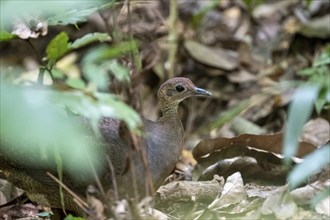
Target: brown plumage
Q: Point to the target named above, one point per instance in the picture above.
(163, 146)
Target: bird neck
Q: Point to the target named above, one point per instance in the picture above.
(169, 111)
(170, 119)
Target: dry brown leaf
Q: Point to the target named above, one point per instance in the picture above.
(233, 192)
(271, 143)
(215, 57)
(316, 131)
(262, 169)
(242, 76)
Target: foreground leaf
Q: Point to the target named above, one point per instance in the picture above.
(299, 112)
(5, 36)
(89, 38)
(280, 203)
(57, 47)
(311, 164)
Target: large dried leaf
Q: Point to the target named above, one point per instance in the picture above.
(271, 143)
(215, 57)
(260, 166)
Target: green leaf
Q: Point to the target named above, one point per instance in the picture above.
(299, 111)
(5, 36)
(97, 105)
(106, 52)
(76, 83)
(34, 127)
(97, 73)
(230, 114)
(319, 104)
(312, 163)
(57, 47)
(98, 62)
(57, 12)
(57, 73)
(90, 38)
(119, 71)
(71, 217)
(306, 72)
(71, 17)
(324, 58)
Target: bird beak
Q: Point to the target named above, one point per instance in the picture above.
(202, 92)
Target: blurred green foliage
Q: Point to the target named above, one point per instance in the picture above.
(300, 111)
(314, 92)
(71, 217)
(99, 62)
(230, 114)
(319, 74)
(312, 164)
(54, 12)
(36, 130)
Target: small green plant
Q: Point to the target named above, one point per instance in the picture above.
(319, 74)
(314, 92)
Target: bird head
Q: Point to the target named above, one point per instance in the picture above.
(174, 90)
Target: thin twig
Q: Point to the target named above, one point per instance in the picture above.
(113, 178)
(44, 67)
(172, 38)
(132, 170)
(97, 179)
(138, 142)
(68, 190)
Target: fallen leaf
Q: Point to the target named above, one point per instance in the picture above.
(241, 76)
(259, 166)
(318, 27)
(215, 57)
(323, 207)
(279, 203)
(316, 131)
(271, 143)
(233, 192)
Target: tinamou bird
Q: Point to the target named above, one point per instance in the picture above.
(162, 141)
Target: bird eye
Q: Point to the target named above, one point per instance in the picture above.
(179, 88)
